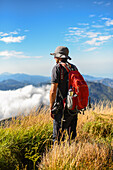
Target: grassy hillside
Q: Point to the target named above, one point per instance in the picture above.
(25, 143)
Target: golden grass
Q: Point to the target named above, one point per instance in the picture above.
(41, 116)
(77, 156)
(91, 149)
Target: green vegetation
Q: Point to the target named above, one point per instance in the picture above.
(25, 143)
(22, 141)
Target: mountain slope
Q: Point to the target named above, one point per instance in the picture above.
(99, 92)
(106, 81)
(11, 84)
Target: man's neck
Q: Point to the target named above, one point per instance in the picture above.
(64, 61)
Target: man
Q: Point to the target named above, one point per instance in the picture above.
(64, 119)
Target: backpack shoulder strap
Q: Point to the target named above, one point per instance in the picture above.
(61, 72)
(66, 66)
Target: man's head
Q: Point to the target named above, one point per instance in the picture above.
(61, 52)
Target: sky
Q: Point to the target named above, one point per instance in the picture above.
(31, 29)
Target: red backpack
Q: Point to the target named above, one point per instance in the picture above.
(77, 97)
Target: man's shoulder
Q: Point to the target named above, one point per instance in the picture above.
(72, 66)
(56, 68)
(55, 74)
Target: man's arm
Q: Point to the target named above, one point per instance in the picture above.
(52, 96)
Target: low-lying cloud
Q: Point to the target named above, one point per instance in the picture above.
(22, 100)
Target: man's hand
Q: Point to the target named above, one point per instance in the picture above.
(52, 115)
(53, 96)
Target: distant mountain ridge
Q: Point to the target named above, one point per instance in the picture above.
(11, 84)
(106, 81)
(92, 78)
(37, 79)
(24, 78)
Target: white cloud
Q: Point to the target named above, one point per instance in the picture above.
(91, 49)
(26, 30)
(79, 32)
(98, 41)
(1, 33)
(91, 42)
(84, 24)
(102, 3)
(73, 39)
(108, 4)
(8, 54)
(109, 23)
(14, 32)
(12, 39)
(98, 2)
(75, 31)
(103, 38)
(4, 34)
(73, 28)
(105, 18)
(92, 15)
(22, 100)
(93, 34)
(97, 26)
(109, 29)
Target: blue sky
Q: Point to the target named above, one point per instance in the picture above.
(31, 29)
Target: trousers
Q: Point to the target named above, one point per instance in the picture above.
(64, 121)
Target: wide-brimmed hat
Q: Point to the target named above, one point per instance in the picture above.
(61, 52)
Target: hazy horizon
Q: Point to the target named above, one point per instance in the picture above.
(5, 73)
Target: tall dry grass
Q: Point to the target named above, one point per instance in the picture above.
(26, 141)
(23, 140)
(93, 147)
(77, 156)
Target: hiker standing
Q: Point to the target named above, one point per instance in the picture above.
(63, 119)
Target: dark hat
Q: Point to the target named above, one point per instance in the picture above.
(61, 52)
